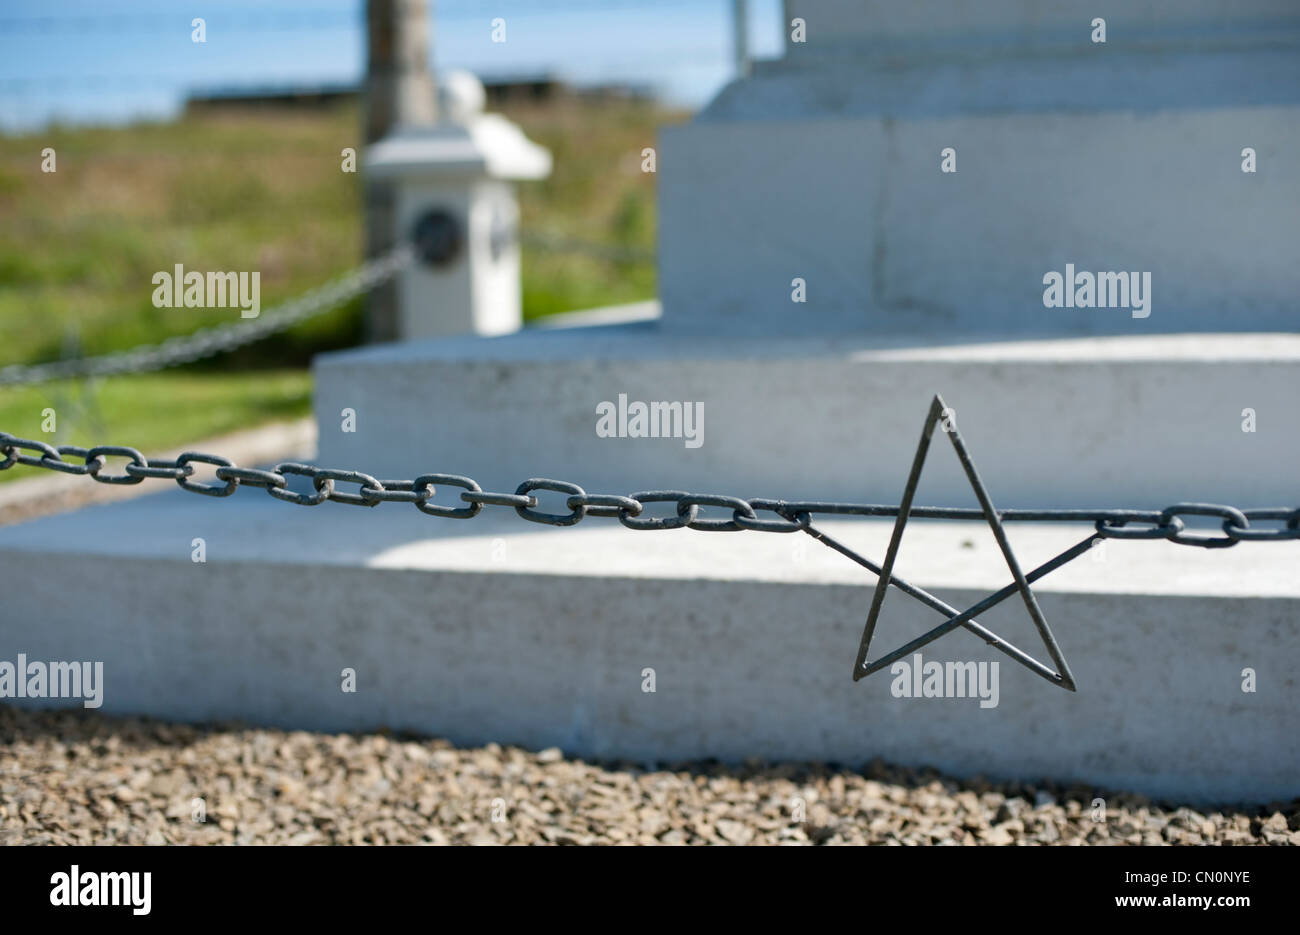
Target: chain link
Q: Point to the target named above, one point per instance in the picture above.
(207, 342)
(792, 516)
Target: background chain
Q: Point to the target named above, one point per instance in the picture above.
(207, 342)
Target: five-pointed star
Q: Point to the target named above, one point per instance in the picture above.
(861, 667)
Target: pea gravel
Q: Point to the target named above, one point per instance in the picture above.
(78, 777)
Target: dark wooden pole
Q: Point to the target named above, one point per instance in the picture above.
(399, 91)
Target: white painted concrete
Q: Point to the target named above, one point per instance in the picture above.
(826, 166)
(626, 313)
(499, 630)
(858, 209)
(1140, 422)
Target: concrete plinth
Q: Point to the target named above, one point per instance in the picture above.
(498, 630)
(924, 166)
(855, 205)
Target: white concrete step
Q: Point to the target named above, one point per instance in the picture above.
(1142, 422)
(497, 629)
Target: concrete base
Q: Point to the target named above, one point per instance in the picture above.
(495, 629)
(1102, 422)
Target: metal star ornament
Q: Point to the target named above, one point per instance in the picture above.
(862, 667)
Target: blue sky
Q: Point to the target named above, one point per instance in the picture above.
(102, 61)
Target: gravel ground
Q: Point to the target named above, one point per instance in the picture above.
(77, 777)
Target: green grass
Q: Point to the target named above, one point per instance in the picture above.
(596, 193)
(261, 190)
(152, 411)
(80, 245)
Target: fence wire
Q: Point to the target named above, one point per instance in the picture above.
(611, 253)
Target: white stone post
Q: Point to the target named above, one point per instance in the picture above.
(454, 195)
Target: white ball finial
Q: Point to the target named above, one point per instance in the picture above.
(461, 96)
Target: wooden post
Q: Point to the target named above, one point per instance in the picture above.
(399, 91)
(740, 34)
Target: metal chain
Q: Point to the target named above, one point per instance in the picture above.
(207, 342)
(788, 515)
(215, 340)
